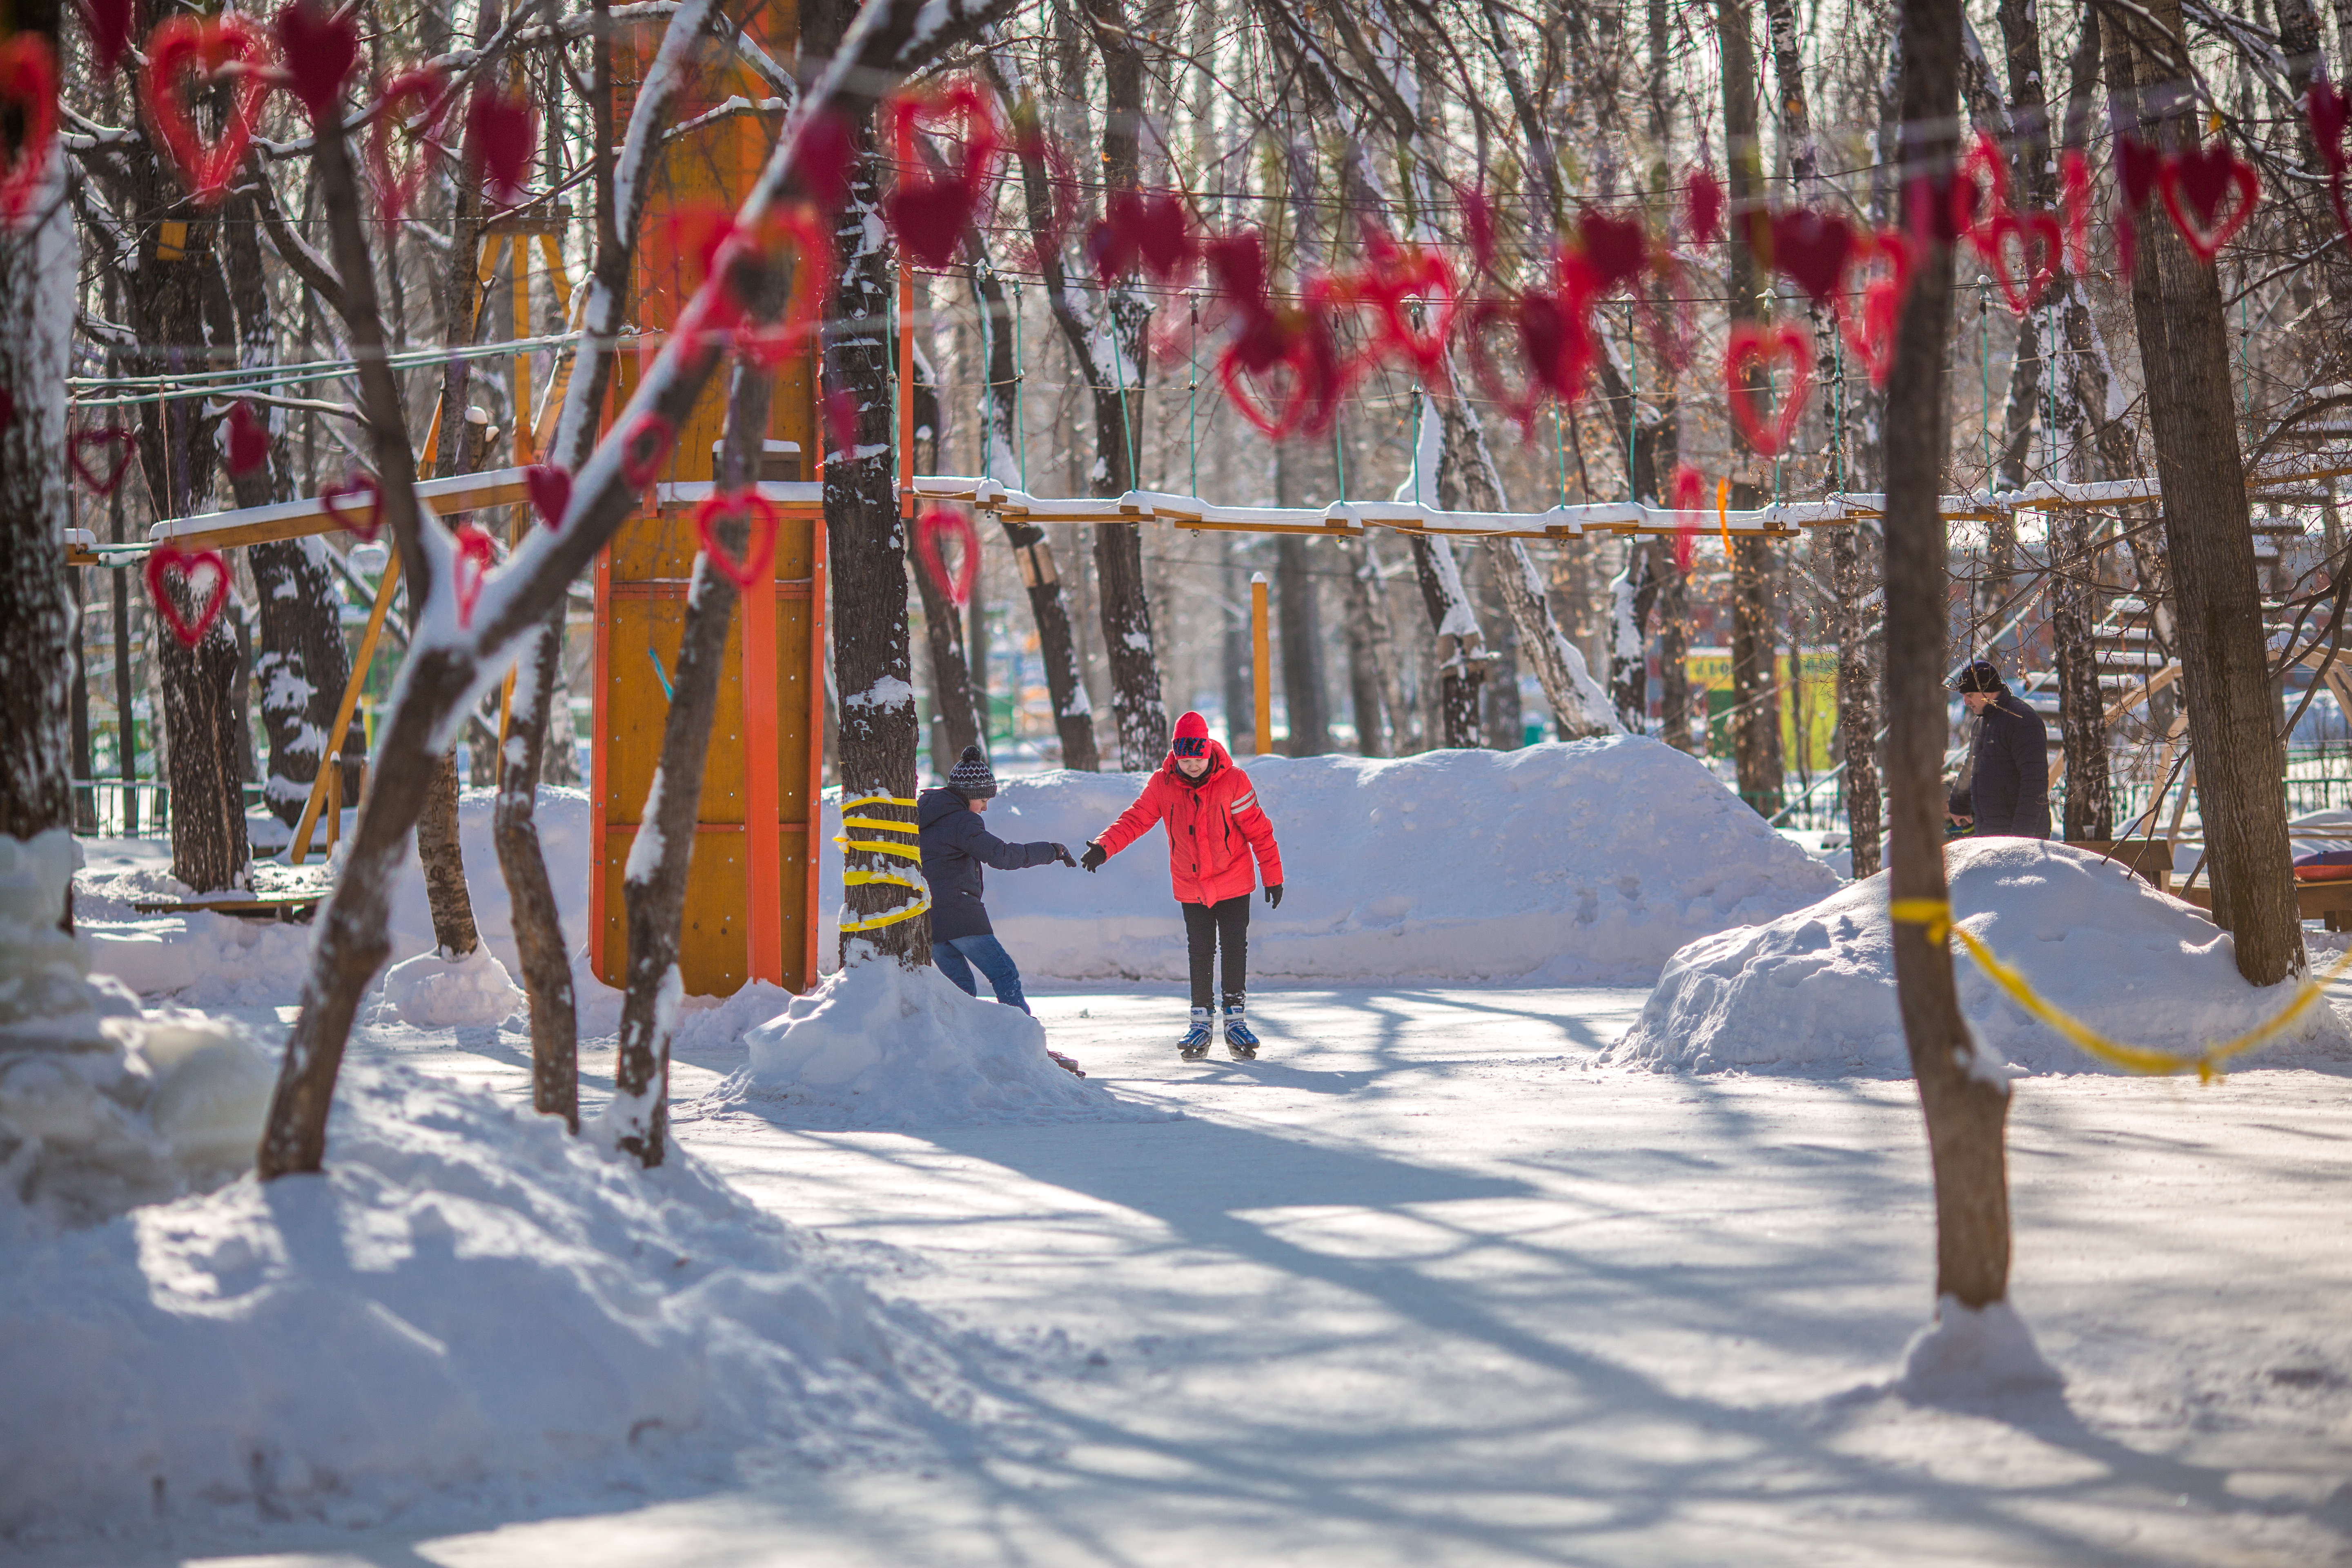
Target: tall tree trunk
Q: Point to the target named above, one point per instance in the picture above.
(1631, 592)
(1367, 623)
(867, 544)
(1239, 683)
(1448, 446)
(954, 694)
(1297, 618)
(1755, 707)
(39, 264)
(1503, 715)
(209, 851)
(2184, 346)
(1966, 1111)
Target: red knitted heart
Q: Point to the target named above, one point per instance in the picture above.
(646, 449)
(2138, 167)
(2074, 209)
(760, 517)
(928, 529)
(1164, 237)
(1556, 335)
(110, 23)
(501, 139)
(1752, 346)
(349, 518)
(1984, 167)
(1703, 201)
(1392, 279)
(476, 555)
(28, 80)
(102, 481)
(550, 488)
(1690, 503)
(930, 213)
(1813, 249)
(1275, 395)
(799, 230)
(1478, 225)
(167, 559)
(397, 185)
(2202, 177)
(249, 439)
(2040, 244)
(1616, 247)
(207, 48)
(320, 46)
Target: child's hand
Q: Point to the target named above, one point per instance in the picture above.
(1062, 853)
(1094, 857)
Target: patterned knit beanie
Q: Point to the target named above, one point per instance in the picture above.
(971, 777)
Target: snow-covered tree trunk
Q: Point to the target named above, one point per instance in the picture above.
(1384, 717)
(537, 924)
(954, 713)
(1065, 689)
(1631, 592)
(39, 263)
(209, 849)
(1965, 1099)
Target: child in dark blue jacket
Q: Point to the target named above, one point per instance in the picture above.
(955, 844)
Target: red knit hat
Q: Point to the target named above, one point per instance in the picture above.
(1191, 727)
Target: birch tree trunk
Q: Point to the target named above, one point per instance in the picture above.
(2184, 346)
(1966, 1111)
(1755, 699)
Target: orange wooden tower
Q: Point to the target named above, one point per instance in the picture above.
(751, 889)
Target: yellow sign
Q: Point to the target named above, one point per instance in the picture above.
(1812, 700)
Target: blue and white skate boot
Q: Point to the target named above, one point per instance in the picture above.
(1240, 1044)
(1195, 1043)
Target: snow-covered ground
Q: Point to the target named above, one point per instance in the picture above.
(1423, 1284)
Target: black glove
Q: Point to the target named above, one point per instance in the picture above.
(1273, 896)
(1062, 853)
(1094, 857)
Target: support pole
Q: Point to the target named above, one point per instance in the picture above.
(1261, 672)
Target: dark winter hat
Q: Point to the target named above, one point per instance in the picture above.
(1979, 676)
(971, 777)
(1191, 736)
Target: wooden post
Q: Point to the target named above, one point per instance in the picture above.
(333, 769)
(328, 759)
(1261, 675)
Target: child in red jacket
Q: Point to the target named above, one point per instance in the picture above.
(1214, 826)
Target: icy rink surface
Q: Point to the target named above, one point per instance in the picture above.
(1421, 1286)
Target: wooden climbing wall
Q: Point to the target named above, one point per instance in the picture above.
(751, 886)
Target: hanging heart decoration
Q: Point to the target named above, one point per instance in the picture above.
(799, 232)
(469, 566)
(1556, 336)
(1617, 249)
(2040, 244)
(927, 212)
(823, 158)
(1394, 280)
(941, 520)
(501, 141)
(1273, 393)
(2194, 182)
(646, 449)
(248, 438)
(1690, 506)
(1753, 347)
(2138, 169)
(167, 561)
(1703, 203)
(29, 82)
(550, 488)
(414, 103)
(759, 519)
(1869, 325)
(1477, 226)
(840, 420)
(205, 49)
(102, 481)
(318, 47)
(110, 23)
(1813, 249)
(2074, 209)
(337, 498)
(2330, 111)
(1485, 320)
(1985, 169)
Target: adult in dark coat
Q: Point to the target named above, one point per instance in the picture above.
(2006, 786)
(955, 844)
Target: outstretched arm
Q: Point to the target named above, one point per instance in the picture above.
(1135, 821)
(966, 832)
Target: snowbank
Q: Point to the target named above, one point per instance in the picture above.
(877, 1045)
(219, 961)
(430, 992)
(1814, 991)
(1591, 861)
(467, 1294)
(101, 1107)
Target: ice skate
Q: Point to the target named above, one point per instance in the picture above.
(1240, 1043)
(1195, 1043)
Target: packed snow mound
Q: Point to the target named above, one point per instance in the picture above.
(1971, 1353)
(468, 1294)
(1584, 862)
(430, 991)
(219, 961)
(103, 1107)
(879, 1046)
(1814, 991)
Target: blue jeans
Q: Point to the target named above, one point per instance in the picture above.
(988, 955)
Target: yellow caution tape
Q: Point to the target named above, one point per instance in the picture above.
(1935, 914)
(877, 846)
(876, 800)
(856, 878)
(885, 825)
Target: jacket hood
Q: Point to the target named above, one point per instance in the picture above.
(933, 804)
(1218, 762)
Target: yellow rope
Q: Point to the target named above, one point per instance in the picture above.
(885, 825)
(876, 800)
(898, 851)
(854, 878)
(1936, 915)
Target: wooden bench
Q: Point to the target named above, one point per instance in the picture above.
(296, 911)
(2330, 902)
(2149, 859)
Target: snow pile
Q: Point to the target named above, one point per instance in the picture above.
(101, 1108)
(1590, 861)
(467, 1294)
(1967, 1352)
(878, 1045)
(1814, 991)
(220, 961)
(430, 991)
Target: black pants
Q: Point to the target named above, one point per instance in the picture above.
(1208, 927)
